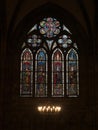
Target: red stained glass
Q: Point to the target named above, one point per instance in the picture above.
(26, 73)
(57, 73)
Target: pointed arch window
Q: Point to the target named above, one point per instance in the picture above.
(49, 61)
(57, 73)
(72, 73)
(26, 73)
(41, 73)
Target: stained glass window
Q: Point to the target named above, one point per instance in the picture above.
(26, 73)
(49, 61)
(34, 40)
(72, 73)
(49, 27)
(57, 73)
(41, 73)
(65, 41)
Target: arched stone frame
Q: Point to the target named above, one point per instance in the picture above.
(69, 22)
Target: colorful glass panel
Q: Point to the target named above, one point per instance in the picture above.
(26, 73)
(49, 27)
(46, 30)
(64, 41)
(41, 74)
(34, 40)
(72, 73)
(57, 74)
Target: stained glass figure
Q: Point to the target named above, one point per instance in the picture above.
(57, 73)
(64, 41)
(26, 73)
(49, 27)
(72, 73)
(41, 74)
(34, 40)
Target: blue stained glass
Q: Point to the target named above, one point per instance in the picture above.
(72, 65)
(41, 66)
(72, 55)
(41, 63)
(41, 56)
(41, 74)
(72, 73)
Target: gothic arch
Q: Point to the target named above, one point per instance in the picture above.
(19, 35)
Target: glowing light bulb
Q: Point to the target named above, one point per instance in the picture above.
(40, 108)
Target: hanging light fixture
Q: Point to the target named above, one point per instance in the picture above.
(49, 108)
